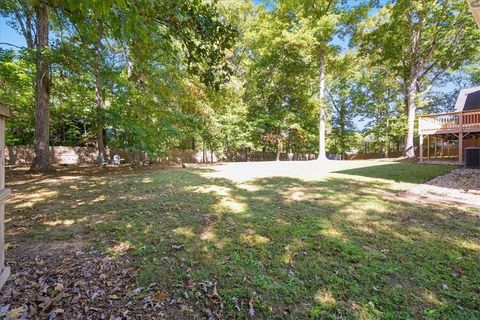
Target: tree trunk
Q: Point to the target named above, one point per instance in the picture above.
(342, 110)
(411, 107)
(387, 140)
(41, 162)
(12, 155)
(411, 88)
(278, 150)
(99, 103)
(321, 95)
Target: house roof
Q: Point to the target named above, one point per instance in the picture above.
(468, 99)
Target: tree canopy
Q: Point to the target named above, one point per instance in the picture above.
(231, 76)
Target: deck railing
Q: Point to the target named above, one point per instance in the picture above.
(449, 122)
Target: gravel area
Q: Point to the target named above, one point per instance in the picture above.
(465, 179)
(461, 186)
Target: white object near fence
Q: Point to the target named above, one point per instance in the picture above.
(4, 193)
(116, 160)
(67, 159)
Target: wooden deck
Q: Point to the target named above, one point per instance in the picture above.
(450, 122)
(442, 127)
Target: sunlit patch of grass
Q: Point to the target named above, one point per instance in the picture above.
(61, 222)
(430, 298)
(325, 298)
(469, 245)
(208, 234)
(217, 190)
(186, 232)
(227, 202)
(120, 248)
(30, 199)
(230, 205)
(254, 239)
(248, 187)
(147, 180)
(332, 232)
(100, 198)
(400, 172)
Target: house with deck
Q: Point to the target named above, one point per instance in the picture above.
(444, 136)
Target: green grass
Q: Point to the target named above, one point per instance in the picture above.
(339, 247)
(401, 172)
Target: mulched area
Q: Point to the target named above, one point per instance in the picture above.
(70, 283)
(459, 187)
(467, 180)
(65, 282)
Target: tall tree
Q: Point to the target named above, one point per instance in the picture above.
(33, 22)
(159, 42)
(278, 86)
(380, 103)
(42, 162)
(324, 20)
(320, 19)
(419, 42)
(342, 96)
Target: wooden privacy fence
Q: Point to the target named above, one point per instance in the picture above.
(243, 156)
(79, 155)
(66, 155)
(374, 155)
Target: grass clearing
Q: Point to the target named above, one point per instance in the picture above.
(400, 172)
(320, 241)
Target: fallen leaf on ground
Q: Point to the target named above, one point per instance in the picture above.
(159, 296)
(15, 313)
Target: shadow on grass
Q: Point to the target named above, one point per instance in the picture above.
(401, 172)
(291, 249)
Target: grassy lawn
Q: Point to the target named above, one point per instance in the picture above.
(343, 245)
(400, 172)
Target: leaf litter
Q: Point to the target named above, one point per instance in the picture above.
(72, 284)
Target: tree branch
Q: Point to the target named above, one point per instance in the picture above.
(11, 45)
